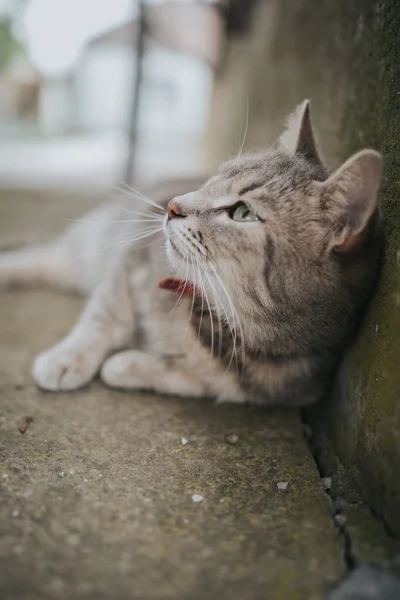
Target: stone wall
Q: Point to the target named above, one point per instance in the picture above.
(345, 56)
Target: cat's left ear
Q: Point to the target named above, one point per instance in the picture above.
(349, 198)
(298, 137)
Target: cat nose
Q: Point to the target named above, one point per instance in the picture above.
(174, 210)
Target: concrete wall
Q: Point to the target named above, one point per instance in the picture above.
(345, 56)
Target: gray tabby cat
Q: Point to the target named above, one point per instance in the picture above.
(272, 260)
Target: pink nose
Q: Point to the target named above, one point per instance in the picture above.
(174, 211)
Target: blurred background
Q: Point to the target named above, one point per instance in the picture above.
(95, 92)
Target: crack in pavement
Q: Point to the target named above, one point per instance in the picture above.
(338, 516)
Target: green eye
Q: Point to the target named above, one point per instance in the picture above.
(242, 212)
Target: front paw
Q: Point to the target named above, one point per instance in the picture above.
(64, 368)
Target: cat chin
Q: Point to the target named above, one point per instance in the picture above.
(177, 262)
(175, 256)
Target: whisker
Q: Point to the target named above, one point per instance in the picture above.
(120, 243)
(211, 323)
(216, 301)
(140, 237)
(194, 291)
(193, 297)
(117, 221)
(202, 299)
(234, 312)
(232, 328)
(191, 252)
(132, 192)
(184, 287)
(146, 213)
(246, 128)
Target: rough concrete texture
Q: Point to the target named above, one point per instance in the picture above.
(96, 496)
(368, 583)
(345, 56)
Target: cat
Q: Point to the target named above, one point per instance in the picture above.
(248, 292)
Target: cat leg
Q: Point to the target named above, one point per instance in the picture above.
(106, 324)
(137, 370)
(73, 261)
(44, 263)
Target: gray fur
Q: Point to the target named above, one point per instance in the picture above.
(279, 295)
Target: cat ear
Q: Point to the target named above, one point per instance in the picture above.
(298, 137)
(351, 197)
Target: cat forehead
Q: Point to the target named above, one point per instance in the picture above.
(275, 168)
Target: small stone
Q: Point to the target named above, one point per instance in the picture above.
(23, 428)
(5, 475)
(62, 474)
(340, 520)
(85, 480)
(15, 513)
(376, 328)
(184, 441)
(232, 438)
(327, 481)
(282, 485)
(197, 498)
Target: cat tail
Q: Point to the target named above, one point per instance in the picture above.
(47, 263)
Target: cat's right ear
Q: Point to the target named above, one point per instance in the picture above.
(298, 137)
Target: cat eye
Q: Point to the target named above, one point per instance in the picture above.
(242, 212)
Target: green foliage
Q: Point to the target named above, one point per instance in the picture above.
(9, 46)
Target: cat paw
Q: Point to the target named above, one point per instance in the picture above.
(63, 368)
(123, 370)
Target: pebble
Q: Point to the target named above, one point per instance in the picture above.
(327, 481)
(282, 485)
(232, 438)
(340, 520)
(197, 498)
(62, 474)
(184, 441)
(15, 513)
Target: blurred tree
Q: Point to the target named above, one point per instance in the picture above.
(9, 45)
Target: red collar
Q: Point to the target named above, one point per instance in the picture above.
(180, 286)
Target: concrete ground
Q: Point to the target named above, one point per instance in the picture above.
(103, 498)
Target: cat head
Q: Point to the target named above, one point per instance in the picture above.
(282, 251)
